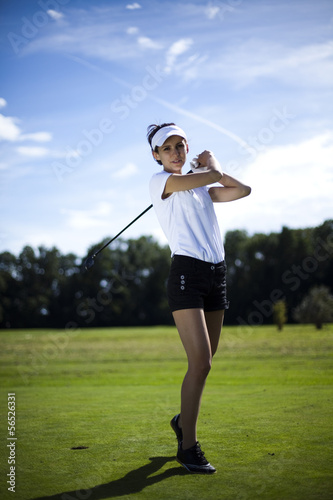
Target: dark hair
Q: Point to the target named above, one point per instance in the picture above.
(151, 131)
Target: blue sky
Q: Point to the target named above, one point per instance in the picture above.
(250, 80)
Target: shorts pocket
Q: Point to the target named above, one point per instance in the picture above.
(177, 283)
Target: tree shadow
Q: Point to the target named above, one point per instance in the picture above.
(133, 482)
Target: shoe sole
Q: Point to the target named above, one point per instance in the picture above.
(197, 471)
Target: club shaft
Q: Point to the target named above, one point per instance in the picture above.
(121, 232)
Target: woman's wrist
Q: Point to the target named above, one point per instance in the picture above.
(214, 164)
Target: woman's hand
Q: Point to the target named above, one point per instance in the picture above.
(204, 158)
(206, 161)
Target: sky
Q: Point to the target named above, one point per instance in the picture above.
(250, 80)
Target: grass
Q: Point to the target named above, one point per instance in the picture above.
(265, 423)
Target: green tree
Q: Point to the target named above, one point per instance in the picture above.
(280, 313)
(316, 307)
(8, 288)
(127, 285)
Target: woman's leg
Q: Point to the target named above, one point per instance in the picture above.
(195, 336)
(214, 322)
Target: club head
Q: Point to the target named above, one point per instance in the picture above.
(89, 263)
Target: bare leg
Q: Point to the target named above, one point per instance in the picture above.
(214, 322)
(199, 334)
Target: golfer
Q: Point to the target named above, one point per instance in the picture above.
(197, 280)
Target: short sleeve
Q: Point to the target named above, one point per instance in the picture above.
(157, 185)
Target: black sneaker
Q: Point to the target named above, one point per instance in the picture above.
(176, 428)
(194, 460)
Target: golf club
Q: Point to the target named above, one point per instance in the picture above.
(90, 261)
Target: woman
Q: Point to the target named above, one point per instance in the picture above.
(197, 280)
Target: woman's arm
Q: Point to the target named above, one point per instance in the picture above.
(212, 174)
(231, 189)
(178, 182)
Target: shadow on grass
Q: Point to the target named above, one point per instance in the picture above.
(133, 482)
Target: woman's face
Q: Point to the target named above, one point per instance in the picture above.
(172, 154)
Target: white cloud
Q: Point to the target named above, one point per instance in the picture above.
(256, 59)
(132, 30)
(176, 49)
(316, 152)
(221, 10)
(33, 151)
(9, 131)
(55, 14)
(211, 11)
(301, 171)
(81, 219)
(36, 136)
(292, 185)
(242, 54)
(148, 43)
(296, 61)
(126, 172)
(189, 68)
(96, 41)
(133, 6)
(3, 102)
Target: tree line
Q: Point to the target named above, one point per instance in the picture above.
(42, 288)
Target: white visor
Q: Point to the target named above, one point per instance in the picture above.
(162, 135)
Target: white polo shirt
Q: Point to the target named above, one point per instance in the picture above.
(188, 221)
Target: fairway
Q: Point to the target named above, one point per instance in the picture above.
(93, 410)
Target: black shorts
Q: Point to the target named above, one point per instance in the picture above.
(196, 284)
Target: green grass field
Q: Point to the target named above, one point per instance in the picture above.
(265, 424)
